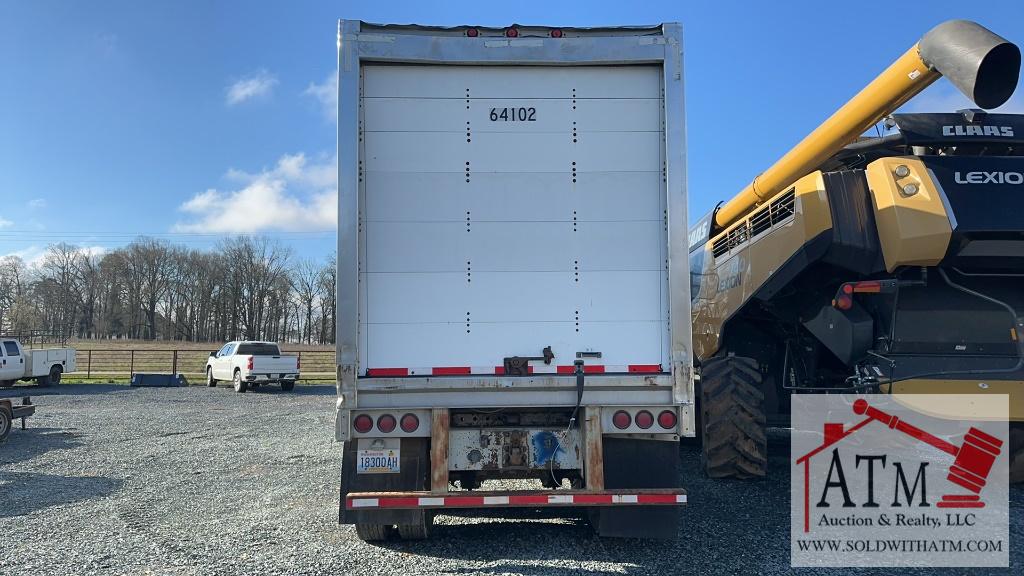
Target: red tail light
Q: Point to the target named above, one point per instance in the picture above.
(556, 33)
(410, 423)
(644, 419)
(386, 423)
(622, 419)
(472, 32)
(362, 423)
(667, 419)
(843, 302)
(512, 32)
(249, 364)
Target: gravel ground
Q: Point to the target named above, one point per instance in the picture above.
(115, 480)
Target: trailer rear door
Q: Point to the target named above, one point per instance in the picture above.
(509, 208)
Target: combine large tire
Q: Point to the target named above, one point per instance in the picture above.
(732, 419)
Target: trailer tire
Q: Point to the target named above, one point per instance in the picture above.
(1016, 453)
(53, 378)
(419, 530)
(732, 419)
(210, 380)
(287, 385)
(6, 421)
(240, 385)
(374, 532)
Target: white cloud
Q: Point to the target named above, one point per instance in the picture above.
(35, 255)
(5, 223)
(295, 195)
(259, 84)
(944, 97)
(327, 93)
(37, 204)
(32, 256)
(93, 250)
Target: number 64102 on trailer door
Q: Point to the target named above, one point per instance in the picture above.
(513, 291)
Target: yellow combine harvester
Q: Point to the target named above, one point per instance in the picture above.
(892, 264)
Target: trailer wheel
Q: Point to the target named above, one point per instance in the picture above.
(240, 385)
(1016, 453)
(733, 419)
(53, 378)
(374, 532)
(210, 380)
(287, 385)
(420, 530)
(6, 419)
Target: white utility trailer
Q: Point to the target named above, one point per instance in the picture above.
(513, 291)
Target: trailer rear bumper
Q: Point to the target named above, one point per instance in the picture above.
(422, 500)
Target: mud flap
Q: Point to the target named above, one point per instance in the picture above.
(414, 475)
(630, 463)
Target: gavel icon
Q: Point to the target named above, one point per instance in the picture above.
(973, 459)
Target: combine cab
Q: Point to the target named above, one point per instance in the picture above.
(887, 264)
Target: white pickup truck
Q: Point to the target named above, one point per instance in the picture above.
(249, 364)
(44, 365)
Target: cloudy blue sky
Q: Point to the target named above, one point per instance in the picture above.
(120, 118)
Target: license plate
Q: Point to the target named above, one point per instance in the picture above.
(378, 461)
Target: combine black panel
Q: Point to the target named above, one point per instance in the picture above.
(958, 129)
(854, 234)
(986, 196)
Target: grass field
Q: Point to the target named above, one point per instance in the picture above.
(116, 360)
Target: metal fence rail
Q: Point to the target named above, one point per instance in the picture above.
(120, 363)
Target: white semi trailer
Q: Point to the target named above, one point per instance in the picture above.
(513, 290)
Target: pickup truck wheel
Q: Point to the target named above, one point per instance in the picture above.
(210, 381)
(240, 385)
(374, 532)
(287, 385)
(5, 422)
(53, 378)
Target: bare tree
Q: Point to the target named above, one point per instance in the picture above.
(306, 284)
(328, 283)
(151, 289)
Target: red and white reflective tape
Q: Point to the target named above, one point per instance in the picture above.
(512, 500)
(500, 370)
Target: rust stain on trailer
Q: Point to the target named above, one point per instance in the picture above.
(439, 422)
(593, 463)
